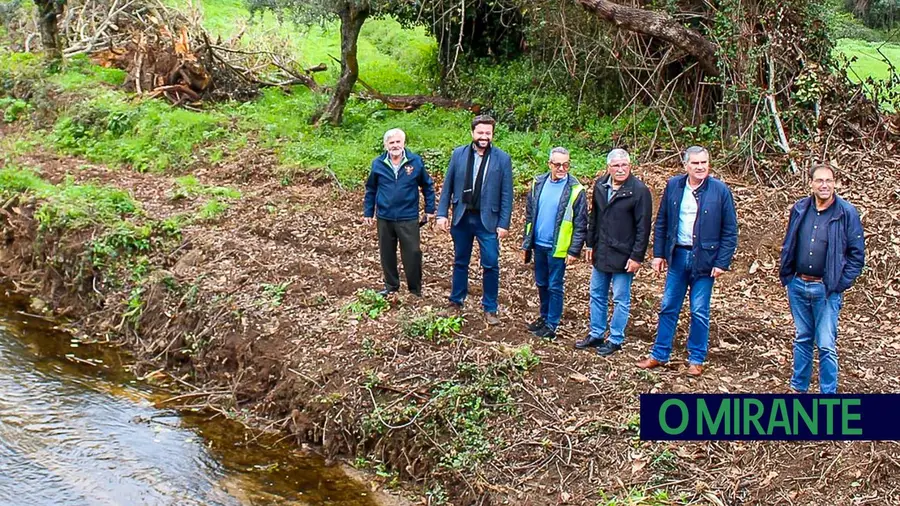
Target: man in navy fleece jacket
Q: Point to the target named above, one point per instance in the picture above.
(392, 194)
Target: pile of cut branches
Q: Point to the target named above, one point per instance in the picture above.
(167, 53)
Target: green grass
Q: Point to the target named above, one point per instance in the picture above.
(869, 63)
(121, 235)
(212, 210)
(112, 127)
(189, 186)
(393, 60)
(68, 205)
(347, 152)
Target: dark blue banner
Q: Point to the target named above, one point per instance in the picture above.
(774, 417)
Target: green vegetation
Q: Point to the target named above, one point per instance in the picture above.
(877, 66)
(211, 210)
(636, 496)
(147, 135)
(368, 304)
(460, 411)
(392, 59)
(12, 108)
(274, 293)
(122, 236)
(869, 62)
(536, 113)
(68, 205)
(189, 187)
(433, 327)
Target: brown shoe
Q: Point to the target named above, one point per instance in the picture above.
(491, 318)
(650, 363)
(695, 370)
(451, 309)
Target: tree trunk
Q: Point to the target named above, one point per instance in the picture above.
(352, 19)
(48, 12)
(659, 25)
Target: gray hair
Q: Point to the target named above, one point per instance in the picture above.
(693, 150)
(617, 154)
(394, 132)
(559, 149)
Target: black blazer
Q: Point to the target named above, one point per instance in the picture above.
(619, 229)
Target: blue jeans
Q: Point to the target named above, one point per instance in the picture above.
(549, 276)
(621, 290)
(815, 317)
(464, 234)
(678, 281)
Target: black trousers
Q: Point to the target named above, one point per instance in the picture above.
(407, 233)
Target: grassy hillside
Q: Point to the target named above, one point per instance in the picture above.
(392, 59)
(869, 62)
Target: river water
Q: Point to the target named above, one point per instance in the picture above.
(79, 433)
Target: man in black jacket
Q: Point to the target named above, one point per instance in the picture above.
(618, 234)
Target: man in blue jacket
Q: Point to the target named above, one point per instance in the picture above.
(478, 186)
(822, 255)
(555, 227)
(392, 193)
(695, 237)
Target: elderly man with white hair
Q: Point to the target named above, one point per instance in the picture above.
(618, 236)
(392, 194)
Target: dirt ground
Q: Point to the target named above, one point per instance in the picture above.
(572, 439)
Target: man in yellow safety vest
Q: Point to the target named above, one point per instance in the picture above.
(555, 228)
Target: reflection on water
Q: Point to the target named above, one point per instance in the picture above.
(74, 433)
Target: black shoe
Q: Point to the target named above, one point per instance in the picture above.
(386, 292)
(546, 332)
(589, 342)
(608, 348)
(536, 325)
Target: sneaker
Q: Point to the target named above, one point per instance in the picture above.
(491, 318)
(536, 325)
(387, 292)
(546, 332)
(589, 342)
(608, 348)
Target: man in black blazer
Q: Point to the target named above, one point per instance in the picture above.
(478, 186)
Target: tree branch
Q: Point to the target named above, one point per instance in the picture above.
(659, 25)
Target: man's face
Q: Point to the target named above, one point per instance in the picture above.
(822, 184)
(395, 146)
(697, 165)
(618, 170)
(482, 135)
(559, 166)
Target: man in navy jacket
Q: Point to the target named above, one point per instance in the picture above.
(478, 186)
(695, 236)
(392, 193)
(822, 255)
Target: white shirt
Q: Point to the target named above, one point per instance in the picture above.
(686, 217)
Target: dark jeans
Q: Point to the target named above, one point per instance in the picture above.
(549, 276)
(407, 233)
(464, 234)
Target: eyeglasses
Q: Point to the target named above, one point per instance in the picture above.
(563, 165)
